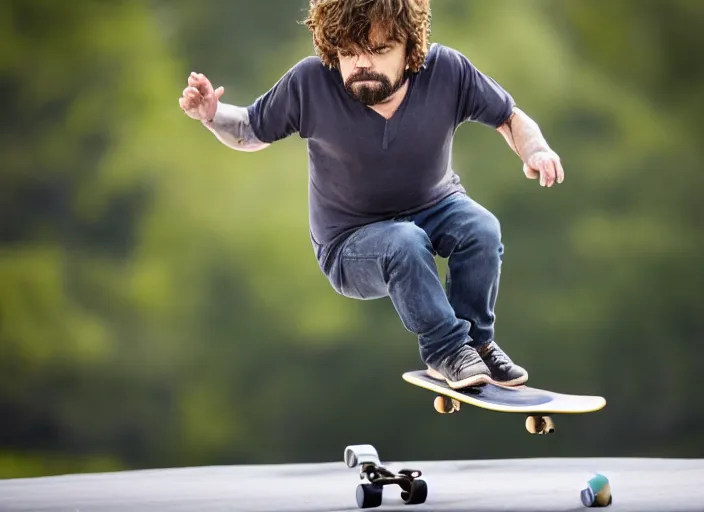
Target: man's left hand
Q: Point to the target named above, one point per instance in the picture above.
(547, 166)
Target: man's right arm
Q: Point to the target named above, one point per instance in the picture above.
(232, 126)
(273, 116)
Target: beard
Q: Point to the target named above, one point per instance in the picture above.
(376, 90)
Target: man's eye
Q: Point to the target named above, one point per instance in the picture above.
(381, 49)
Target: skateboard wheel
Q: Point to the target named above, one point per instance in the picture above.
(540, 425)
(548, 425)
(443, 405)
(446, 405)
(532, 424)
(369, 495)
(417, 494)
(597, 493)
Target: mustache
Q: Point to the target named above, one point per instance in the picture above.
(366, 75)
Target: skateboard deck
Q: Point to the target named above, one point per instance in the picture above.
(517, 399)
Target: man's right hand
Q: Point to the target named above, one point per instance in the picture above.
(199, 100)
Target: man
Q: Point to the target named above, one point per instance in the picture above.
(378, 107)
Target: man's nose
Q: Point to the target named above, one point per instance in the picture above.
(363, 61)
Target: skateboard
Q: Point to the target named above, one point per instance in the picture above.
(536, 404)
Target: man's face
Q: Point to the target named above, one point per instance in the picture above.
(374, 74)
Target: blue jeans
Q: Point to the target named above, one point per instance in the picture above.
(395, 258)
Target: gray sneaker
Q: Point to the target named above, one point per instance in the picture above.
(461, 369)
(503, 370)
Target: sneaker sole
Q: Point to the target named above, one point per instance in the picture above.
(482, 379)
(464, 383)
(511, 383)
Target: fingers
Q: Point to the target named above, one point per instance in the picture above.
(200, 83)
(554, 173)
(547, 173)
(191, 98)
(191, 92)
(547, 167)
(560, 171)
(199, 100)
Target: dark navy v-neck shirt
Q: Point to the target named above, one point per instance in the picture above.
(362, 167)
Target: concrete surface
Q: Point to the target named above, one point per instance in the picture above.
(521, 485)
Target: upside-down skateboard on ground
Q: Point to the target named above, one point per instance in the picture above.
(537, 404)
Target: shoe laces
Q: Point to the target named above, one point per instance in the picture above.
(495, 354)
(467, 358)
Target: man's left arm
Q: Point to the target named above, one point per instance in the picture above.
(523, 135)
(483, 100)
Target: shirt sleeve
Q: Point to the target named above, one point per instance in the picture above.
(482, 99)
(276, 114)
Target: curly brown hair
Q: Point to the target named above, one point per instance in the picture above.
(345, 24)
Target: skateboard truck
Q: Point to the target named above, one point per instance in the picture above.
(369, 495)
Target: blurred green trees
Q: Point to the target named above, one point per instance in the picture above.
(159, 299)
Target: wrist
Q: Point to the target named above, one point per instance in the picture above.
(209, 122)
